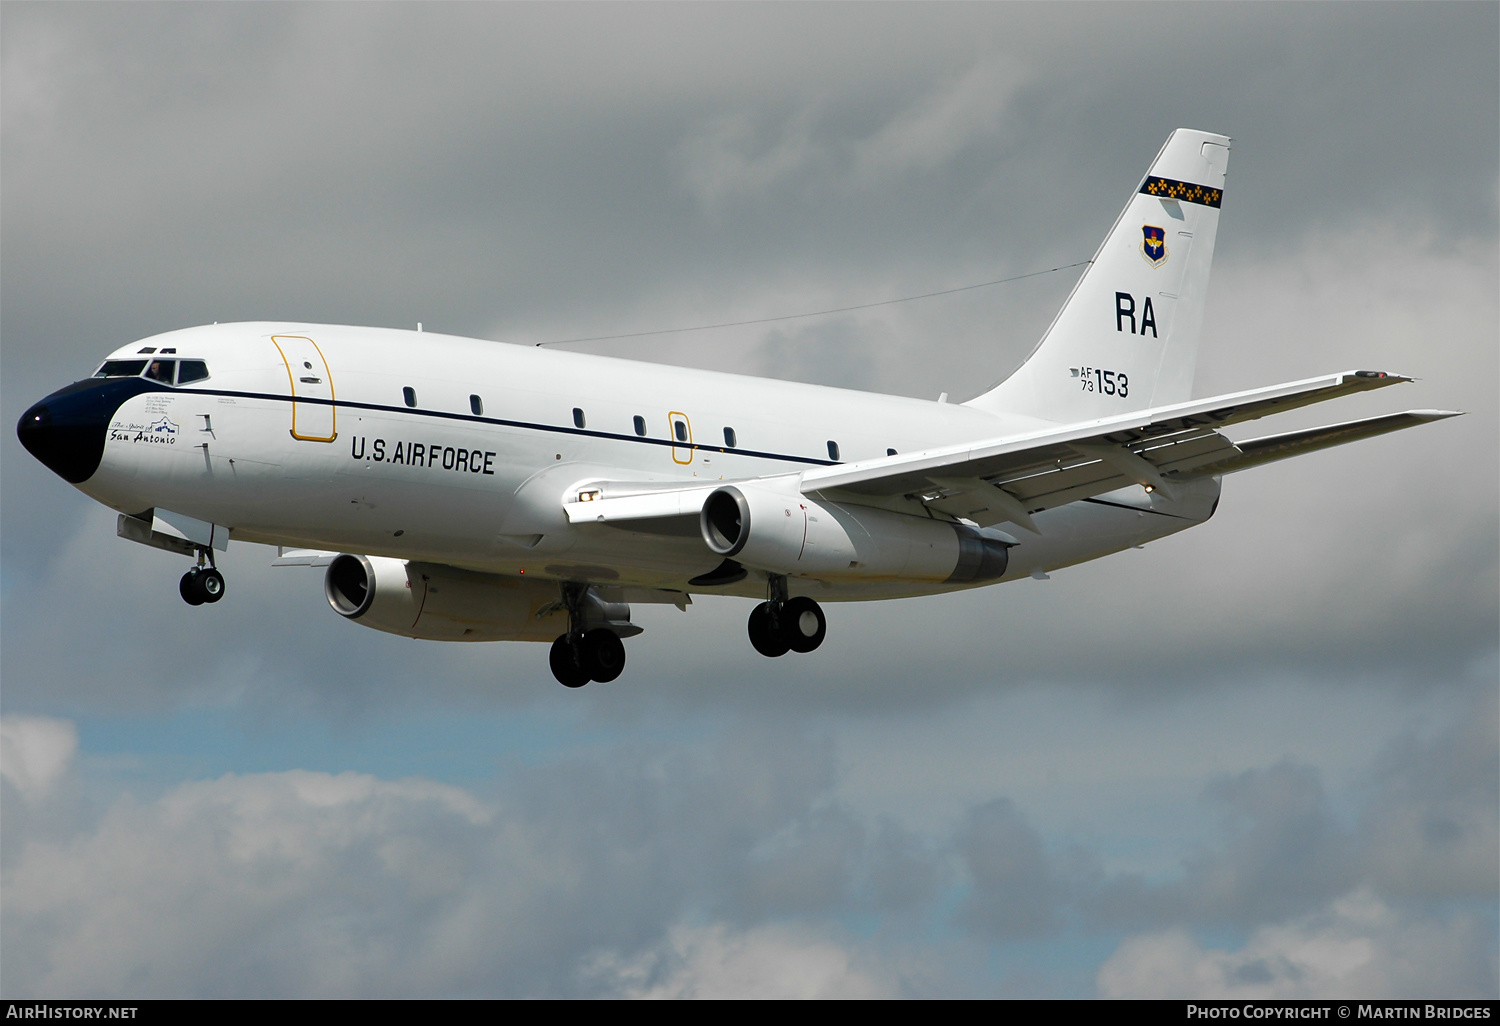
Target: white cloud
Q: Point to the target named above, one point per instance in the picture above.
(286, 882)
(316, 884)
(938, 127)
(35, 751)
(731, 156)
(1358, 946)
(717, 963)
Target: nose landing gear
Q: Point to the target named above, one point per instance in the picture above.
(781, 625)
(202, 583)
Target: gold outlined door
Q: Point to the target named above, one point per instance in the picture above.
(307, 372)
(682, 437)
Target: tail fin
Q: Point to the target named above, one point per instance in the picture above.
(1127, 338)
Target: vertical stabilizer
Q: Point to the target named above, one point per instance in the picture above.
(1127, 338)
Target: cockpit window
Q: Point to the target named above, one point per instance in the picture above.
(191, 370)
(168, 372)
(120, 369)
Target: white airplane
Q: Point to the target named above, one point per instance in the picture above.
(463, 490)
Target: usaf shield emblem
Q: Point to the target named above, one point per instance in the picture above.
(1154, 245)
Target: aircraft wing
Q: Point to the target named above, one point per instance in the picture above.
(1009, 479)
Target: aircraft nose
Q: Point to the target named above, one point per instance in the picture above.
(66, 430)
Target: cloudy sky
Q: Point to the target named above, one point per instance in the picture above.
(1255, 759)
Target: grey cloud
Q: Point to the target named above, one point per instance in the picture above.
(1283, 847)
(903, 873)
(1426, 830)
(689, 869)
(1431, 831)
(807, 867)
(1015, 888)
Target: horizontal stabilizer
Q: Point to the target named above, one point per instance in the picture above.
(1258, 451)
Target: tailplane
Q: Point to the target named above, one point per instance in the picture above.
(1127, 337)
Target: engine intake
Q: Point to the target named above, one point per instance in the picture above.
(444, 603)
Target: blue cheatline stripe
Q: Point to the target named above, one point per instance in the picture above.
(499, 422)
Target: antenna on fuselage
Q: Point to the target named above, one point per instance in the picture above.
(811, 313)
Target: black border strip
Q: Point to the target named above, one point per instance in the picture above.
(1171, 188)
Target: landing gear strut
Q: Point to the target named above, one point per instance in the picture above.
(580, 655)
(202, 583)
(781, 625)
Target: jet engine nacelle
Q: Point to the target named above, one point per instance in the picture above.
(444, 603)
(786, 532)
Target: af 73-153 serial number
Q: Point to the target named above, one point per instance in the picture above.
(1106, 382)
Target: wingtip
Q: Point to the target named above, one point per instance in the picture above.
(1385, 377)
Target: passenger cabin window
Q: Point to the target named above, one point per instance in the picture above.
(729, 438)
(833, 450)
(578, 418)
(191, 370)
(476, 405)
(162, 370)
(410, 395)
(890, 452)
(640, 426)
(120, 369)
(679, 428)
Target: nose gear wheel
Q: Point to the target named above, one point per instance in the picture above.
(202, 583)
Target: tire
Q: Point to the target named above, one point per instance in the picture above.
(802, 624)
(766, 641)
(567, 662)
(603, 654)
(211, 585)
(189, 590)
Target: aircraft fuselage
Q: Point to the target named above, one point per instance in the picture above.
(439, 449)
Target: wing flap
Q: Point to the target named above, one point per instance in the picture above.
(1051, 448)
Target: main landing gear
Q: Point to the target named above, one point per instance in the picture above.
(581, 656)
(781, 625)
(585, 654)
(202, 583)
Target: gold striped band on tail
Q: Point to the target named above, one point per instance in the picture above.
(1168, 188)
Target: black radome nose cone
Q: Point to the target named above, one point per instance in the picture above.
(66, 430)
(71, 451)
